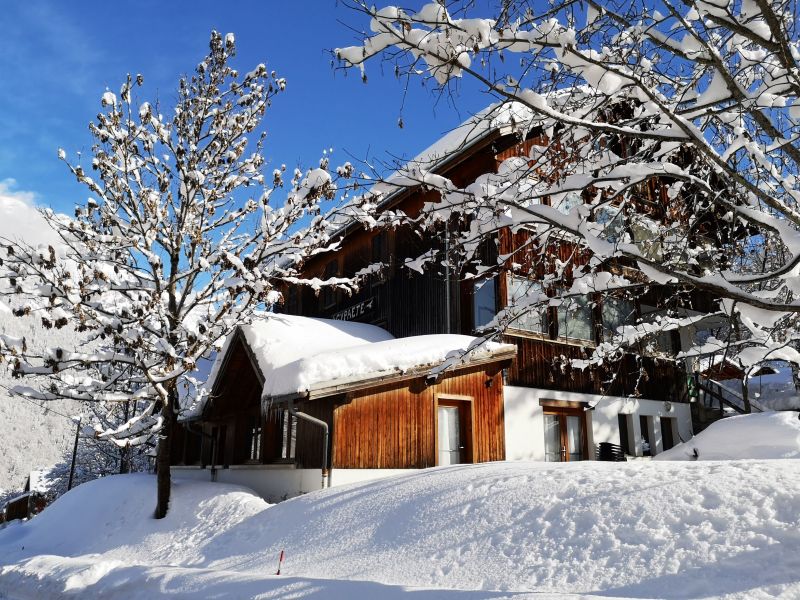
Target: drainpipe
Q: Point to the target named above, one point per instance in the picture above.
(447, 274)
(319, 423)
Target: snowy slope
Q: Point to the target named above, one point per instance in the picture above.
(644, 529)
(32, 437)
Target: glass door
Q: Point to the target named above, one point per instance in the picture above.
(574, 436)
(564, 435)
(449, 436)
(552, 438)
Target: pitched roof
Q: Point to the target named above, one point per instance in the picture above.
(301, 356)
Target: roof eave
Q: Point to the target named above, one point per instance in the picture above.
(448, 161)
(343, 386)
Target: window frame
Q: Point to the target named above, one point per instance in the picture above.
(328, 293)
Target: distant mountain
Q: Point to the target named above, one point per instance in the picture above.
(33, 437)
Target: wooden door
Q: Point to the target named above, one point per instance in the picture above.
(565, 435)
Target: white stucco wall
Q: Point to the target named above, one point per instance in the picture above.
(279, 482)
(524, 420)
(271, 482)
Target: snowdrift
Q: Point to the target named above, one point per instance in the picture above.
(668, 529)
(761, 435)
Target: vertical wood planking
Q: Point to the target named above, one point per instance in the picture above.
(394, 426)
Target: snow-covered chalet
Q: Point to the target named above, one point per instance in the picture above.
(361, 364)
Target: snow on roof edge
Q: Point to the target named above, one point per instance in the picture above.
(452, 144)
(323, 374)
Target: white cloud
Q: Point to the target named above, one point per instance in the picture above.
(19, 218)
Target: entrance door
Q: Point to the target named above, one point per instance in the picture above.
(453, 431)
(564, 435)
(449, 436)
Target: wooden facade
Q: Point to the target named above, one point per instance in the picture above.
(439, 300)
(543, 363)
(395, 426)
(390, 425)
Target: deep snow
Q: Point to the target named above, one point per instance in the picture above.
(297, 354)
(758, 435)
(644, 529)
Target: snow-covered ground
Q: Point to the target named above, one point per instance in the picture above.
(759, 435)
(644, 529)
(774, 390)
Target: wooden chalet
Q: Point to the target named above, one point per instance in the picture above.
(294, 398)
(406, 302)
(521, 400)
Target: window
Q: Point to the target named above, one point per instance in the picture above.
(625, 427)
(668, 431)
(612, 221)
(521, 294)
(647, 442)
(254, 439)
(567, 202)
(616, 312)
(575, 318)
(289, 435)
(328, 292)
(483, 303)
(380, 254)
(660, 342)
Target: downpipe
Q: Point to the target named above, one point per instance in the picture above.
(319, 423)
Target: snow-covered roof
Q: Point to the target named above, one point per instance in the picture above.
(276, 340)
(299, 356)
(323, 373)
(499, 117)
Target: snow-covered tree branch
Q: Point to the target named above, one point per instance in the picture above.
(658, 140)
(183, 236)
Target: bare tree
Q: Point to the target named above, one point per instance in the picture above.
(182, 238)
(658, 140)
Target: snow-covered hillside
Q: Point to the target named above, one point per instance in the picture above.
(33, 438)
(644, 529)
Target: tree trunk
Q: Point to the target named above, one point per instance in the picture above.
(125, 453)
(746, 393)
(163, 480)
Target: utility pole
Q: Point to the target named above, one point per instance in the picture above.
(74, 455)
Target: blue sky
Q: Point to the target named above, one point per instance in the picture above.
(61, 56)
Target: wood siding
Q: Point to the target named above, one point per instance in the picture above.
(308, 452)
(394, 426)
(543, 364)
(222, 437)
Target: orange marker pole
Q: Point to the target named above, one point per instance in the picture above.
(280, 562)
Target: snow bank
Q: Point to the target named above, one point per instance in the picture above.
(654, 529)
(375, 359)
(760, 435)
